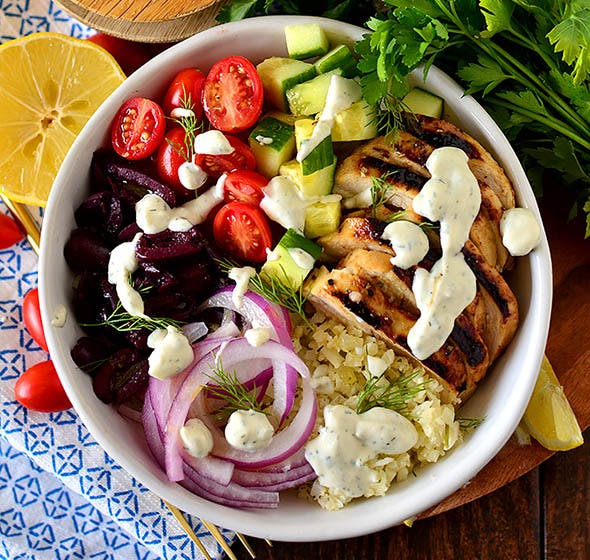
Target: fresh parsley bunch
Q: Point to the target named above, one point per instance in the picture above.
(528, 61)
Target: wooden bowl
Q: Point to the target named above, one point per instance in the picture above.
(147, 21)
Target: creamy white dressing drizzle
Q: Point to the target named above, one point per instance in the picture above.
(363, 199)
(191, 175)
(301, 258)
(212, 142)
(241, 276)
(248, 430)
(122, 263)
(257, 336)
(196, 438)
(520, 231)
(451, 197)
(171, 352)
(342, 93)
(408, 241)
(60, 314)
(348, 441)
(153, 214)
(284, 204)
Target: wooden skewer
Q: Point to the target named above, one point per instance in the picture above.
(25, 221)
(188, 529)
(214, 530)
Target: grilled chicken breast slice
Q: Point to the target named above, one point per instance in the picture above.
(381, 315)
(402, 167)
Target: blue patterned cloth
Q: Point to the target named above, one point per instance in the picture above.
(61, 496)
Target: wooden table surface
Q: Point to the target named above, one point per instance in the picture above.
(544, 514)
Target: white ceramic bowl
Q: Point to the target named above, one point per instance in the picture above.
(501, 399)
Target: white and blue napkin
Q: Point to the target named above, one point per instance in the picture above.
(61, 496)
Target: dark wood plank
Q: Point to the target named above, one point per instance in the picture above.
(501, 526)
(565, 499)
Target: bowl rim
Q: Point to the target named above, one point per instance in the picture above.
(256, 523)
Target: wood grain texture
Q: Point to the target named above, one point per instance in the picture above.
(565, 493)
(164, 21)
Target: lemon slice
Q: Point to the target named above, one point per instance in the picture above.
(50, 85)
(549, 418)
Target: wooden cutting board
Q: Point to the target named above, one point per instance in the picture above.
(148, 21)
(568, 349)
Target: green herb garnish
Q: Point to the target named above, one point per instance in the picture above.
(469, 423)
(380, 191)
(274, 289)
(228, 388)
(191, 127)
(394, 394)
(123, 321)
(529, 62)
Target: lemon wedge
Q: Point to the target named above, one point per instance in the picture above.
(50, 84)
(549, 418)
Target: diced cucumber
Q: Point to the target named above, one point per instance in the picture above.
(424, 103)
(292, 259)
(318, 168)
(303, 130)
(339, 57)
(273, 143)
(309, 98)
(319, 183)
(358, 122)
(321, 156)
(322, 217)
(292, 170)
(305, 40)
(279, 74)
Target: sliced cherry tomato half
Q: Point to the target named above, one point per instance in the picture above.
(172, 153)
(185, 90)
(243, 231)
(129, 55)
(232, 96)
(9, 232)
(32, 318)
(244, 185)
(216, 165)
(39, 388)
(138, 128)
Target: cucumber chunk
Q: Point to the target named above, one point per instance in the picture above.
(292, 259)
(309, 98)
(305, 40)
(273, 143)
(279, 74)
(322, 217)
(319, 183)
(424, 103)
(358, 122)
(340, 57)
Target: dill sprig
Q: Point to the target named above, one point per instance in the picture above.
(390, 116)
(469, 423)
(402, 215)
(191, 126)
(122, 321)
(393, 395)
(380, 194)
(274, 289)
(228, 388)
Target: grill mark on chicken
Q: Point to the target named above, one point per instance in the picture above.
(395, 173)
(464, 335)
(440, 139)
(487, 283)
